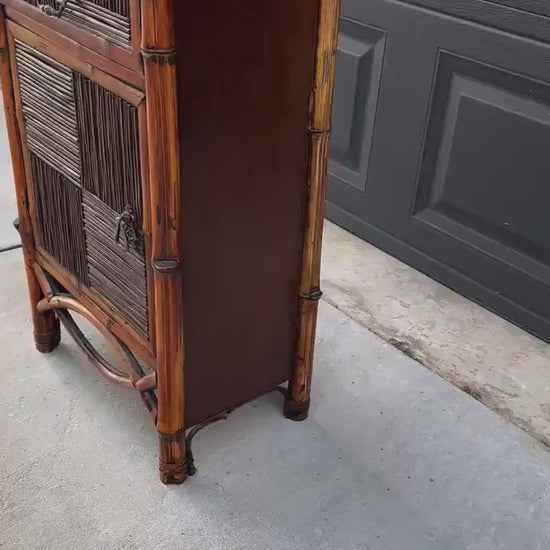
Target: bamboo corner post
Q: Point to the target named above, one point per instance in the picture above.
(159, 56)
(297, 401)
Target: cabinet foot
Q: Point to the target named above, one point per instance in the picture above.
(172, 461)
(47, 341)
(296, 411)
(171, 474)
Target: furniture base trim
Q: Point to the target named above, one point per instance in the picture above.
(192, 432)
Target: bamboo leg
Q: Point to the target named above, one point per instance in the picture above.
(170, 390)
(47, 333)
(45, 325)
(298, 396)
(297, 399)
(159, 59)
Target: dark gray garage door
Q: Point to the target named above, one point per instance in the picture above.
(441, 144)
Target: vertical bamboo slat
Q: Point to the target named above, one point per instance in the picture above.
(58, 205)
(159, 56)
(298, 396)
(46, 325)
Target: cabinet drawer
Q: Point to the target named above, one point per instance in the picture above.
(82, 132)
(110, 27)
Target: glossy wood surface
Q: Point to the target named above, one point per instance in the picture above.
(243, 95)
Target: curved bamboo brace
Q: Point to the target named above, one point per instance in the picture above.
(137, 379)
(63, 303)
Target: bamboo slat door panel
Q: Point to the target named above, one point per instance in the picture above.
(81, 133)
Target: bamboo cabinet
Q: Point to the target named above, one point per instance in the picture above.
(170, 160)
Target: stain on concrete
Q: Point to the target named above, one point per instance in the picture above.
(485, 356)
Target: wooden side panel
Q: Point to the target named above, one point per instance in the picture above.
(244, 82)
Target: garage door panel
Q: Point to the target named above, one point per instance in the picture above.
(539, 7)
(486, 162)
(348, 197)
(529, 18)
(457, 165)
(359, 67)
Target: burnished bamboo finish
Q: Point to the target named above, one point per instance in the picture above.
(45, 324)
(298, 398)
(158, 51)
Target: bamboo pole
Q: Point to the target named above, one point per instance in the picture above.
(159, 56)
(45, 324)
(298, 396)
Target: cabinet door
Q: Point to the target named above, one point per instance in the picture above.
(82, 134)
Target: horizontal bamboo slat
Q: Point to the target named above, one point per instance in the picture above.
(47, 95)
(116, 274)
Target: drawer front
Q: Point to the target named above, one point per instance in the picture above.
(105, 32)
(109, 19)
(84, 171)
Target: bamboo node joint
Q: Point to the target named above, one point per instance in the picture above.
(318, 132)
(175, 437)
(162, 58)
(166, 266)
(314, 294)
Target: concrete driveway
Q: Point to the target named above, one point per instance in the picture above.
(392, 458)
